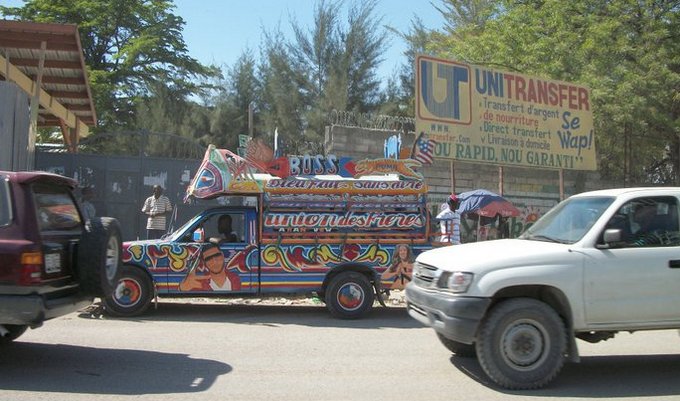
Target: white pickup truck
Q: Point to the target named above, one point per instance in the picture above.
(597, 263)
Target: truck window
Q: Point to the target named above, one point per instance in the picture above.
(5, 204)
(570, 220)
(648, 222)
(225, 227)
(56, 208)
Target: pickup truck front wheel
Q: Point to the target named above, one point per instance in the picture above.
(521, 344)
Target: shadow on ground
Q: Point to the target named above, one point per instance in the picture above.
(599, 377)
(271, 315)
(73, 369)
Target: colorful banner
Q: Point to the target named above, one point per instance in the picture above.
(339, 187)
(476, 114)
(342, 222)
(361, 168)
(223, 172)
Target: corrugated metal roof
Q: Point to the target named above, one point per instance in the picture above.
(64, 75)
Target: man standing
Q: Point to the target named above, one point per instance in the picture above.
(503, 227)
(86, 200)
(156, 206)
(449, 221)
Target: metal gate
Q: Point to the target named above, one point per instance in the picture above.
(122, 183)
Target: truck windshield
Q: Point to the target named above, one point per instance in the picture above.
(177, 234)
(569, 221)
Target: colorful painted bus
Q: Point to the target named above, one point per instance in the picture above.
(348, 241)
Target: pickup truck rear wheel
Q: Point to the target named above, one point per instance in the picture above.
(99, 256)
(10, 332)
(349, 295)
(132, 295)
(521, 344)
(458, 348)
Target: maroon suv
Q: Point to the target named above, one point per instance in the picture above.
(52, 262)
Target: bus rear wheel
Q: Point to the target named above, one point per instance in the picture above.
(349, 295)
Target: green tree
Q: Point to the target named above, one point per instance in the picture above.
(330, 66)
(282, 102)
(364, 42)
(166, 111)
(464, 16)
(131, 48)
(316, 59)
(230, 114)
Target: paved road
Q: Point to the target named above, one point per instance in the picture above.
(228, 352)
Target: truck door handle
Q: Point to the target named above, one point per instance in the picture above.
(674, 264)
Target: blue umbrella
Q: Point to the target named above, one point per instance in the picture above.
(485, 203)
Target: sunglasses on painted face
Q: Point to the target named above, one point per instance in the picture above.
(211, 256)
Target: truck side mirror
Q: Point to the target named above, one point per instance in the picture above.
(612, 235)
(611, 238)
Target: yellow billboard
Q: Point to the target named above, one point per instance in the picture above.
(481, 115)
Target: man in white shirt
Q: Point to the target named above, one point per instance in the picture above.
(449, 221)
(156, 206)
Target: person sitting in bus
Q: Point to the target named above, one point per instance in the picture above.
(224, 229)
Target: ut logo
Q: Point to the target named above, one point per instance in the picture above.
(443, 90)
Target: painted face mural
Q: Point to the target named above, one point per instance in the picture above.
(401, 269)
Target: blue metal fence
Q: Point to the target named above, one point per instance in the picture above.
(121, 184)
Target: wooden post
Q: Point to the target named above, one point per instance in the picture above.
(75, 135)
(35, 105)
(452, 171)
(65, 133)
(561, 184)
(7, 77)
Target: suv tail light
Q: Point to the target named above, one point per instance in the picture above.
(31, 268)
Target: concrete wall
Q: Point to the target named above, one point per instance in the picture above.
(533, 191)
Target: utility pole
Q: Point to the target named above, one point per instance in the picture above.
(250, 119)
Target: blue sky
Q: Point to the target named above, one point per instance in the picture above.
(217, 31)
